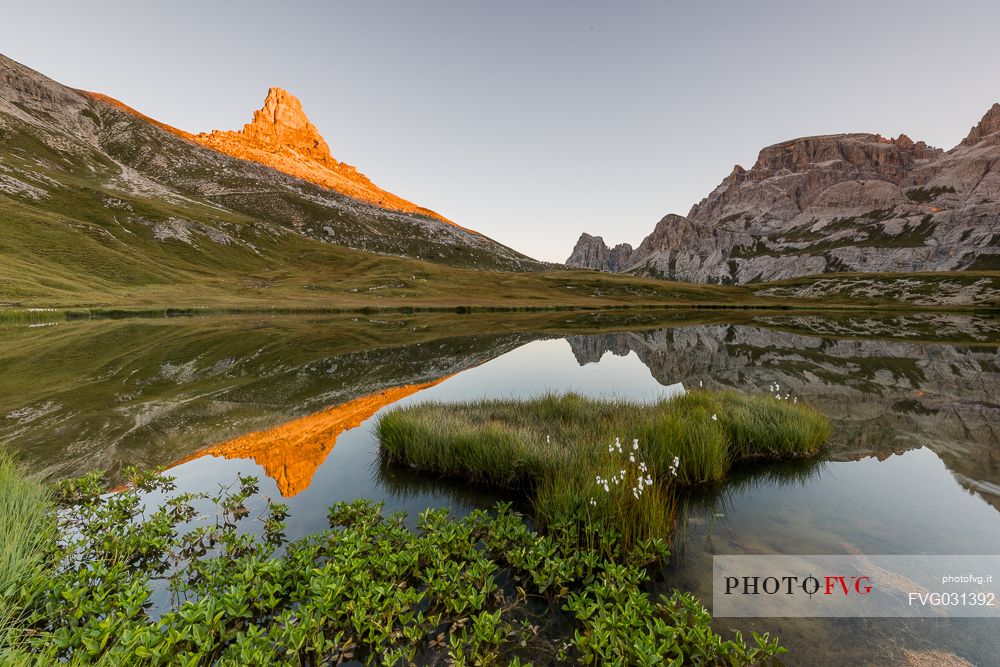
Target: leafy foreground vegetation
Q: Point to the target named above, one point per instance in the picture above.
(484, 589)
(605, 466)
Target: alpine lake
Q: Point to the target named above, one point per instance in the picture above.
(913, 466)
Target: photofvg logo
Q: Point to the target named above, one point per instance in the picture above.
(856, 586)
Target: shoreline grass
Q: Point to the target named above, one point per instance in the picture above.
(434, 288)
(19, 315)
(26, 532)
(607, 466)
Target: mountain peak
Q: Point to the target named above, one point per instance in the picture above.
(281, 122)
(989, 124)
(282, 137)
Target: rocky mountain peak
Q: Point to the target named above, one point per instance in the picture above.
(835, 202)
(886, 157)
(282, 137)
(282, 122)
(987, 126)
(591, 252)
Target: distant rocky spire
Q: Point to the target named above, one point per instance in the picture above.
(988, 125)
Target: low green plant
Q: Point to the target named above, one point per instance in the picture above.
(607, 465)
(481, 590)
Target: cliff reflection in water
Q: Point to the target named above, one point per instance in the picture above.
(884, 396)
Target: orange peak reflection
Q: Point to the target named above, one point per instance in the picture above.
(291, 453)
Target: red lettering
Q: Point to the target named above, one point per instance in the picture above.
(831, 584)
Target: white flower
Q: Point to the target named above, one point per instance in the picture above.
(635, 493)
(649, 480)
(635, 444)
(700, 383)
(631, 458)
(795, 400)
(593, 502)
(606, 489)
(642, 466)
(715, 418)
(548, 440)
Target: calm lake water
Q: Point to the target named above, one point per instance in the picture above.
(913, 466)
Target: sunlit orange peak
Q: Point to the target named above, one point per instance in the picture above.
(281, 136)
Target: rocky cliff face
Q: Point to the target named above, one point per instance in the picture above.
(848, 202)
(592, 252)
(990, 124)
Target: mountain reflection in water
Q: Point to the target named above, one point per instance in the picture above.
(290, 453)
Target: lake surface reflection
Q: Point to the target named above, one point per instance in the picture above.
(913, 466)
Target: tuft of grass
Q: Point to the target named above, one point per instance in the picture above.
(606, 465)
(26, 531)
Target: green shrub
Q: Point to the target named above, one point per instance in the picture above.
(472, 591)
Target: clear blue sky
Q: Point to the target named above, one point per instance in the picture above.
(533, 121)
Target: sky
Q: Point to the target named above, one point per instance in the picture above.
(534, 121)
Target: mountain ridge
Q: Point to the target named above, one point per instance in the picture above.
(829, 203)
(282, 137)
